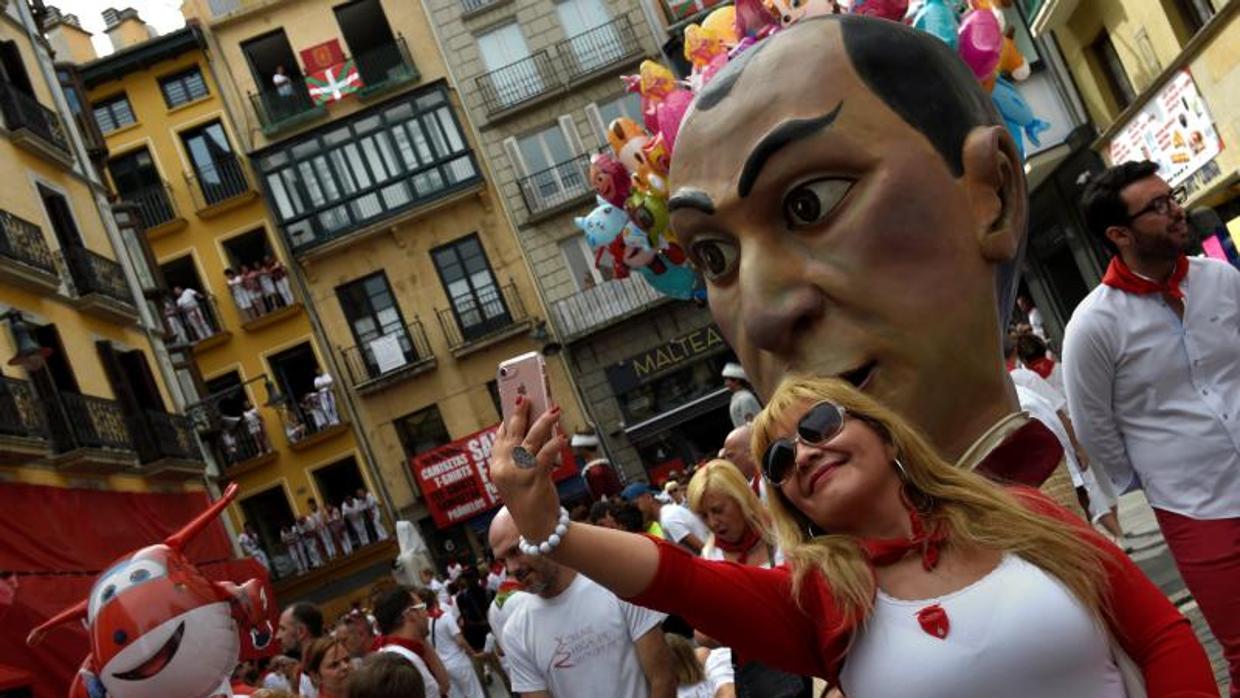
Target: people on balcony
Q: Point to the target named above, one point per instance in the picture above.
(256, 429)
(327, 399)
(291, 538)
(241, 297)
(172, 318)
(309, 540)
(318, 521)
(371, 504)
(251, 545)
(282, 82)
(279, 275)
(355, 511)
(336, 523)
(189, 303)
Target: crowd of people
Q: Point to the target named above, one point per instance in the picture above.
(313, 540)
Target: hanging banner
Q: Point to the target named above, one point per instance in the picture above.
(455, 478)
(1174, 129)
(322, 56)
(334, 83)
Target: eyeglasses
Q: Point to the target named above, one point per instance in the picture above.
(1162, 204)
(416, 607)
(820, 423)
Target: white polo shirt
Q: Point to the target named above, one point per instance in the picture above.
(1159, 398)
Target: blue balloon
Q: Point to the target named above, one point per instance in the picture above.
(936, 18)
(1017, 115)
(671, 280)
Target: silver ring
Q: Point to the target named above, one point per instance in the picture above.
(523, 458)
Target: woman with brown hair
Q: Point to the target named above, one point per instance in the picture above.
(327, 662)
(905, 576)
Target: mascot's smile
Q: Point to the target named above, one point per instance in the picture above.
(158, 661)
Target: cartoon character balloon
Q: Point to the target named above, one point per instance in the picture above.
(628, 141)
(609, 179)
(790, 12)
(981, 42)
(937, 18)
(886, 9)
(606, 228)
(159, 628)
(1017, 115)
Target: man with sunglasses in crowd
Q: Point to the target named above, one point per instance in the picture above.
(1152, 370)
(404, 623)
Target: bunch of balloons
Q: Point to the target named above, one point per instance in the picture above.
(628, 230)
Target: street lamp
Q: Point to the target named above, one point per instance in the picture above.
(30, 355)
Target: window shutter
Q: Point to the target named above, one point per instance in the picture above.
(596, 123)
(569, 126)
(514, 156)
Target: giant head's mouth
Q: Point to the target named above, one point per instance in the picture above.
(158, 661)
(860, 376)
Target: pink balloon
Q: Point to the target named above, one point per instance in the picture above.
(671, 112)
(981, 42)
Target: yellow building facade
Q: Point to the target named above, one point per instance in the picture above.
(84, 401)
(1160, 80)
(378, 194)
(174, 153)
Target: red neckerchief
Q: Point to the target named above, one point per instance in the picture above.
(756, 484)
(887, 551)
(436, 613)
(1011, 364)
(412, 645)
(1043, 367)
(742, 547)
(1120, 276)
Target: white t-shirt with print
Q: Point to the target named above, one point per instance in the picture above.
(678, 522)
(579, 643)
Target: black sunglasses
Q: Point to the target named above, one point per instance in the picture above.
(820, 423)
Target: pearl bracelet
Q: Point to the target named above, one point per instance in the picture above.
(545, 547)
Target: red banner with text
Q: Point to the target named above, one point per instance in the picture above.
(455, 478)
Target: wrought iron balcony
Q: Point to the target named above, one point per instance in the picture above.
(91, 422)
(546, 71)
(171, 436)
(237, 430)
(280, 108)
(386, 356)
(561, 184)
(23, 431)
(520, 82)
(155, 203)
(316, 412)
(603, 305)
(22, 242)
(95, 274)
(215, 184)
(598, 48)
(468, 6)
(475, 319)
(386, 66)
(24, 114)
(193, 324)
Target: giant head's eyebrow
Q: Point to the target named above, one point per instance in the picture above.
(691, 198)
(788, 132)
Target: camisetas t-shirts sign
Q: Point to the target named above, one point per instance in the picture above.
(455, 478)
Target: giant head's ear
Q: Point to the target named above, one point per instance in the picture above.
(995, 182)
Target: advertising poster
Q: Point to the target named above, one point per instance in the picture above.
(1174, 130)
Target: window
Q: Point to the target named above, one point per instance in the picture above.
(366, 30)
(61, 217)
(217, 170)
(554, 174)
(13, 68)
(422, 431)
(69, 87)
(370, 166)
(466, 275)
(593, 42)
(1114, 78)
(248, 249)
(113, 113)
(627, 105)
(183, 88)
(383, 341)
(511, 78)
(1193, 14)
(138, 182)
(580, 262)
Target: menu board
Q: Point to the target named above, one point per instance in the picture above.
(1174, 129)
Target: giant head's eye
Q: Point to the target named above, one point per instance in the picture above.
(714, 257)
(809, 203)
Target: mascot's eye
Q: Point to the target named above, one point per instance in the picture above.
(139, 576)
(811, 202)
(108, 592)
(715, 258)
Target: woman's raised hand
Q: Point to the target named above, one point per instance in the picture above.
(526, 488)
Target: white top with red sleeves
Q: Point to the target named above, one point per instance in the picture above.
(1015, 633)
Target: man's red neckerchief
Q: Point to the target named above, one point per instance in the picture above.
(1043, 367)
(1121, 277)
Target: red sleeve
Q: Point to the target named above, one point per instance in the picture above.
(1147, 625)
(751, 610)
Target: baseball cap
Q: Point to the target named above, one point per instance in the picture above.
(636, 490)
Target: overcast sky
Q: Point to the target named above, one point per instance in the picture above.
(164, 15)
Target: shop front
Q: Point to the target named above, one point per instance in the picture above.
(672, 400)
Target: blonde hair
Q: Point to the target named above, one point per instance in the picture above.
(975, 512)
(723, 477)
(685, 663)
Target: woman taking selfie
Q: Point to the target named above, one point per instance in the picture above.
(904, 575)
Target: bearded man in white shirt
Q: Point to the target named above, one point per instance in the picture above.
(1152, 370)
(571, 637)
